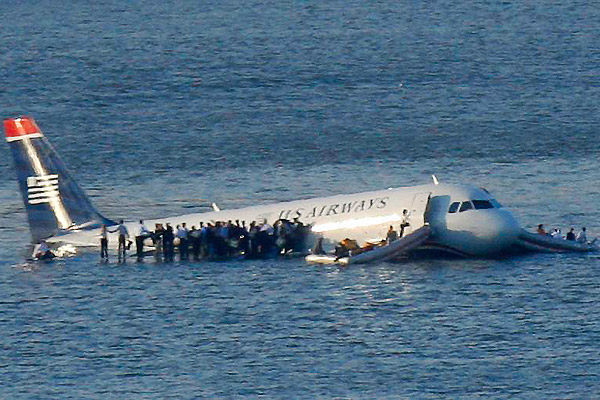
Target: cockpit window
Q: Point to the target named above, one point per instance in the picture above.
(454, 207)
(482, 204)
(466, 205)
(473, 205)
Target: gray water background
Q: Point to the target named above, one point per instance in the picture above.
(160, 109)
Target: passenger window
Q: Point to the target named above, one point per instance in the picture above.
(495, 203)
(466, 205)
(454, 207)
(482, 204)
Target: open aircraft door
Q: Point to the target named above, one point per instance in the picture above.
(418, 211)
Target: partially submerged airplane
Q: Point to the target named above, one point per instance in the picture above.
(461, 219)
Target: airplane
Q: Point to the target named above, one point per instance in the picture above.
(464, 220)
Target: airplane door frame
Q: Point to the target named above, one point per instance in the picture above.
(417, 210)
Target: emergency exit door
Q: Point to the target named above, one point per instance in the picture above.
(418, 210)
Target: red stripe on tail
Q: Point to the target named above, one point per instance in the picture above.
(15, 127)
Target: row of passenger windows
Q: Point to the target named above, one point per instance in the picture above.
(473, 205)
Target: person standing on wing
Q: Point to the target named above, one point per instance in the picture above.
(103, 243)
(168, 249)
(182, 235)
(140, 233)
(123, 236)
(157, 238)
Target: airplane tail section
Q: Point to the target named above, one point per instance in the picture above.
(53, 200)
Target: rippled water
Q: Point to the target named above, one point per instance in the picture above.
(160, 109)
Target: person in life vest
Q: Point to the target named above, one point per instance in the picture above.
(541, 230)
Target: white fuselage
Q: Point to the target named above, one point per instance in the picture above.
(479, 227)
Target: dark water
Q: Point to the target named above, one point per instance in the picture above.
(161, 109)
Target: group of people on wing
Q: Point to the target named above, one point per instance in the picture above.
(580, 237)
(218, 240)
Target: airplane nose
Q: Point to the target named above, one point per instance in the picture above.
(503, 228)
(481, 232)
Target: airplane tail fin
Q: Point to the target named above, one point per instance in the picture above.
(53, 200)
